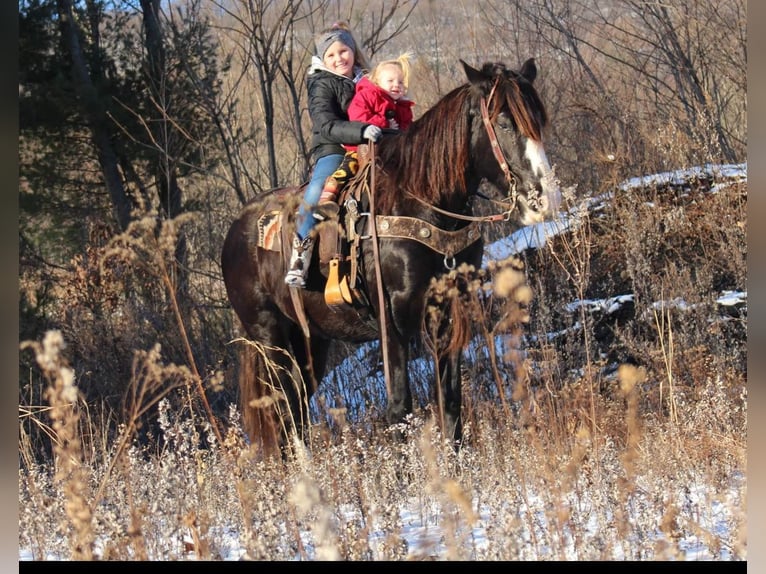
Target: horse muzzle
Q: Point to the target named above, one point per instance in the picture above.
(543, 203)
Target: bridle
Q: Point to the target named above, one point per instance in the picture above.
(497, 151)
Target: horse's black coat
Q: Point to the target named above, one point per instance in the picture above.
(442, 159)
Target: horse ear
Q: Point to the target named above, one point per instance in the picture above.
(472, 74)
(529, 70)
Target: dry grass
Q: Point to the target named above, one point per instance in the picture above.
(646, 489)
(590, 435)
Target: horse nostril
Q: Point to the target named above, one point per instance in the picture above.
(543, 203)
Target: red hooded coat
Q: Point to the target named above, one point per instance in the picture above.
(371, 102)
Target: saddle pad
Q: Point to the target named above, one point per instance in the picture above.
(269, 225)
(270, 234)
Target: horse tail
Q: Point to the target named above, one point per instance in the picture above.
(460, 327)
(258, 402)
(447, 323)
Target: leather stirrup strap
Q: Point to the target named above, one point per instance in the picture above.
(379, 279)
(295, 294)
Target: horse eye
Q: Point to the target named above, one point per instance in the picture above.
(504, 122)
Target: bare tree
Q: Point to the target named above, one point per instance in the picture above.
(264, 28)
(95, 112)
(681, 36)
(272, 42)
(626, 80)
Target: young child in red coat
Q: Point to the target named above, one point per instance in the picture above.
(380, 99)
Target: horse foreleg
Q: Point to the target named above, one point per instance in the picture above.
(451, 400)
(399, 394)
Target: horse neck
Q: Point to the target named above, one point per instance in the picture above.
(458, 201)
(449, 212)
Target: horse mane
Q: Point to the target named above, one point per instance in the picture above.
(428, 159)
(522, 100)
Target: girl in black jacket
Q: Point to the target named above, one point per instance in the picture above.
(335, 69)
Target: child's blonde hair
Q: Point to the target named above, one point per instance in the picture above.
(402, 62)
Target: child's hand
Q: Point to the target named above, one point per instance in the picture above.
(391, 117)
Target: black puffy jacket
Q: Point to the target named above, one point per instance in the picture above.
(329, 96)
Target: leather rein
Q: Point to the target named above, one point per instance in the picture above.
(449, 243)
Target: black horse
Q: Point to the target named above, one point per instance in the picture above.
(422, 182)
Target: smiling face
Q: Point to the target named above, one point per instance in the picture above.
(340, 59)
(391, 78)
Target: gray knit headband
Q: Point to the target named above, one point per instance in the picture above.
(327, 39)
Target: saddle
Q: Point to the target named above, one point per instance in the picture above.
(340, 247)
(340, 242)
(344, 225)
(339, 237)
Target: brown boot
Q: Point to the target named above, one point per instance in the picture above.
(330, 191)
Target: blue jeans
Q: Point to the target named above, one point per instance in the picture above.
(323, 169)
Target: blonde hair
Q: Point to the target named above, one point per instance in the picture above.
(402, 62)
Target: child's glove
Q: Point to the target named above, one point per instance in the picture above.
(372, 133)
(391, 117)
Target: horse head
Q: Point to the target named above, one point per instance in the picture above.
(508, 145)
